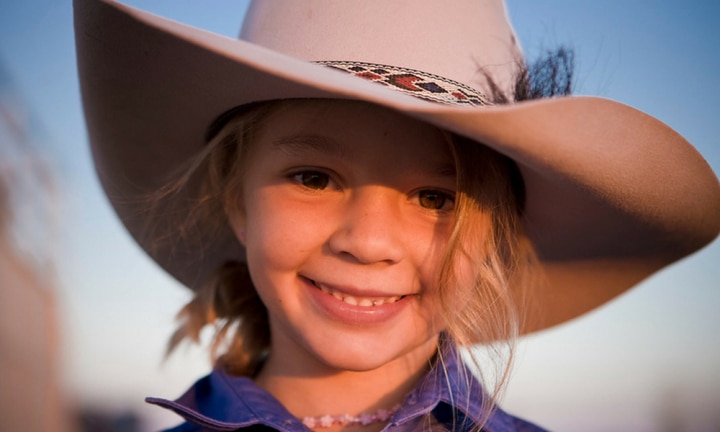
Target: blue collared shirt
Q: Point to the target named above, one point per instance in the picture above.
(222, 402)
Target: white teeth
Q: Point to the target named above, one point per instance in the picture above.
(365, 302)
(358, 301)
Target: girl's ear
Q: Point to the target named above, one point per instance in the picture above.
(242, 236)
(238, 225)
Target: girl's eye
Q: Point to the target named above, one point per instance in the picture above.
(435, 200)
(312, 179)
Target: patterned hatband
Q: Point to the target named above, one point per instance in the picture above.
(413, 82)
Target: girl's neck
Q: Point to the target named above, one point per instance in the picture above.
(308, 388)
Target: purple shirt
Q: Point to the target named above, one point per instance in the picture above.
(222, 402)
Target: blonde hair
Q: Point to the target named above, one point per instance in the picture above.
(501, 264)
(487, 237)
(228, 299)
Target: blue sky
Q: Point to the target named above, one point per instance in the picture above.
(618, 368)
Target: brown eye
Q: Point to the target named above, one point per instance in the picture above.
(434, 200)
(312, 179)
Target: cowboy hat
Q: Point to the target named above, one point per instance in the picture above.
(612, 194)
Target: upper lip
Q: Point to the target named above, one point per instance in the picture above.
(354, 291)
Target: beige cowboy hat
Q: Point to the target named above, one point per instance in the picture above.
(612, 194)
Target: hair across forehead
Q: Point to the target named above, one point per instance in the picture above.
(242, 129)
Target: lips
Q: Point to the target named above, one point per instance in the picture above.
(350, 306)
(357, 300)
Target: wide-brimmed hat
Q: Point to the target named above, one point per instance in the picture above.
(612, 194)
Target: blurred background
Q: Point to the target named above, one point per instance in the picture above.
(85, 315)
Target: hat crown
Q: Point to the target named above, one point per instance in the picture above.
(463, 40)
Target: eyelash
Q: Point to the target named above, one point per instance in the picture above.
(299, 178)
(438, 199)
(445, 200)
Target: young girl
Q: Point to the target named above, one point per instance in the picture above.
(354, 195)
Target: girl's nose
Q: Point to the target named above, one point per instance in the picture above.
(369, 230)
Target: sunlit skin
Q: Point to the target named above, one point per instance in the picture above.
(345, 199)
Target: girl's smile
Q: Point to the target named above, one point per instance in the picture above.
(345, 212)
(356, 305)
(355, 300)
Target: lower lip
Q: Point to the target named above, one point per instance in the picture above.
(351, 314)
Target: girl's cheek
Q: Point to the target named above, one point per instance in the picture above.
(279, 229)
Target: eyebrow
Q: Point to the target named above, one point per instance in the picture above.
(302, 143)
(446, 170)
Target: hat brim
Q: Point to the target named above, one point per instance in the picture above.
(613, 194)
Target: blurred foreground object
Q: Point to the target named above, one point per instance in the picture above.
(30, 391)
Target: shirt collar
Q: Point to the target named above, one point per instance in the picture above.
(224, 403)
(450, 388)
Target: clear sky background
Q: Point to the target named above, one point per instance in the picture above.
(648, 361)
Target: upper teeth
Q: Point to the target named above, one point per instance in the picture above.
(358, 301)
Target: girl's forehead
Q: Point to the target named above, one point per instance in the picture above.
(347, 128)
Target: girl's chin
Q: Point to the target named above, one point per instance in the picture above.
(362, 355)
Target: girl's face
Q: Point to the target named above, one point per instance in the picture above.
(346, 209)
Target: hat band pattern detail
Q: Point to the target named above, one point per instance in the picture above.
(416, 83)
